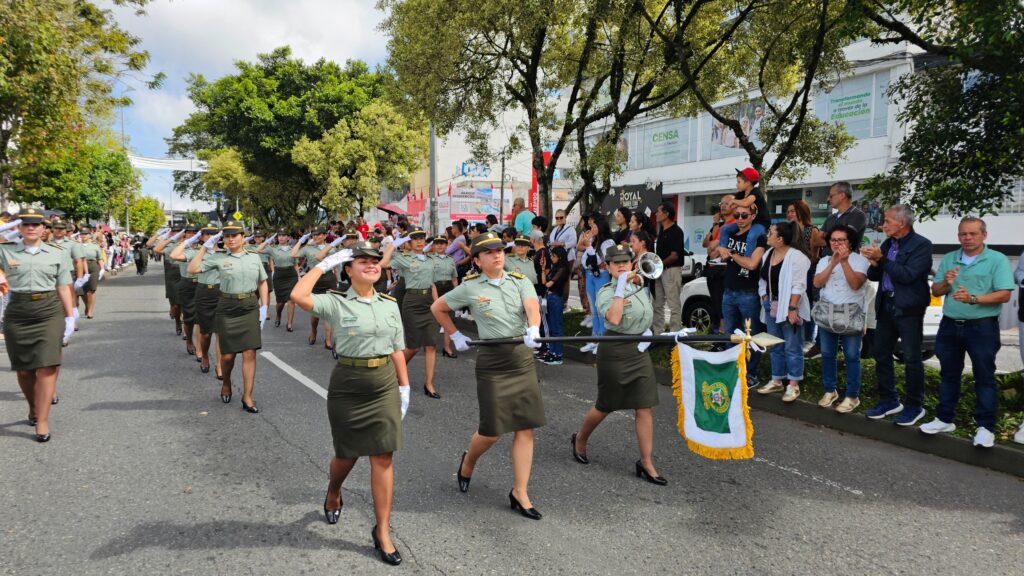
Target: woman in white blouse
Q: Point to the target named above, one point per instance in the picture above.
(784, 307)
(594, 242)
(841, 278)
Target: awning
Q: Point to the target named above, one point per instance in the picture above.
(391, 209)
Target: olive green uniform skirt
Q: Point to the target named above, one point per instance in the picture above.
(238, 324)
(284, 280)
(207, 298)
(507, 390)
(421, 328)
(365, 411)
(187, 299)
(33, 330)
(172, 276)
(94, 276)
(398, 291)
(625, 377)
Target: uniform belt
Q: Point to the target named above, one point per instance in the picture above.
(240, 296)
(32, 295)
(417, 290)
(364, 362)
(91, 260)
(194, 280)
(970, 320)
(211, 286)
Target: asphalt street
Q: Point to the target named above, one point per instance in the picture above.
(149, 473)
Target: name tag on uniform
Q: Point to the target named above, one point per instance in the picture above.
(349, 321)
(228, 264)
(13, 263)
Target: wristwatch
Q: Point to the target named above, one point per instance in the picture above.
(793, 308)
(974, 299)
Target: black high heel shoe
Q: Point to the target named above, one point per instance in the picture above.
(311, 340)
(427, 392)
(250, 408)
(204, 369)
(191, 350)
(277, 323)
(41, 438)
(448, 354)
(642, 473)
(225, 398)
(32, 420)
(463, 480)
(392, 558)
(333, 515)
(530, 513)
(289, 329)
(55, 401)
(580, 457)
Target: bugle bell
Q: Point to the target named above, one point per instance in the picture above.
(649, 266)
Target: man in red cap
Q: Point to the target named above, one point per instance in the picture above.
(749, 196)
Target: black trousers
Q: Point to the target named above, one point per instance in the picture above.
(889, 325)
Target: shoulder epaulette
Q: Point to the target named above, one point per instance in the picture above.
(470, 276)
(57, 246)
(338, 292)
(387, 296)
(518, 275)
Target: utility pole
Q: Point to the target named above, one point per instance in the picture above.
(501, 191)
(433, 180)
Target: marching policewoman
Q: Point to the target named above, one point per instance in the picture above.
(172, 272)
(182, 255)
(93, 255)
(446, 277)
(325, 282)
(420, 327)
(369, 389)
(625, 373)
(285, 274)
(206, 295)
(504, 305)
(240, 315)
(39, 317)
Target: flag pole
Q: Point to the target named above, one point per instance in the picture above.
(763, 339)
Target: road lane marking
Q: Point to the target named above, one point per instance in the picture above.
(319, 390)
(819, 479)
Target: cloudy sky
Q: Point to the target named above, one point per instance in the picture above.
(208, 36)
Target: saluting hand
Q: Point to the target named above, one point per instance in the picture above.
(334, 260)
(176, 236)
(192, 240)
(10, 225)
(337, 241)
(303, 239)
(401, 240)
(211, 242)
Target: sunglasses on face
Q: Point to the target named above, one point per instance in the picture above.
(741, 216)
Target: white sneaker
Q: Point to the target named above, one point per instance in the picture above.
(984, 438)
(1019, 436)
(588, 321)
(594, 351)
(936, 426)
(589, 347)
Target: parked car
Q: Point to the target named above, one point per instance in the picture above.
(693, 265)
(696, 304)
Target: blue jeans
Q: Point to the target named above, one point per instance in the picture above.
(980, 341)
(594, 283)
(736, 308)
(556, 306)
(910, 331)
(787, 359)
(851, 356)
(755, 231)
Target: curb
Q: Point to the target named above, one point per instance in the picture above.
(1001, 458)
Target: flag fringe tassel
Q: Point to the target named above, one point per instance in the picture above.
(742, 453)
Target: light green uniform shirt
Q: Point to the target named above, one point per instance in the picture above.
(444, 267)
(637, 314)
(281, 256)
(309, 252)
(989, 272)
(497, 309)
(73, 248)
(418, 274)
(362, 329)
(263, 256)
(92, 251)
(190, 253)
(40, 272)
(522, 265)
(238, 272)
(211, 276)
(167, 252)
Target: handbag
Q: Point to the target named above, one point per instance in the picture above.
(843, 319)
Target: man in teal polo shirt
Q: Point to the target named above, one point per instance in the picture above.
(976, 282)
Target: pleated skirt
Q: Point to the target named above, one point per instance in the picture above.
(365, 411)
(507, 390)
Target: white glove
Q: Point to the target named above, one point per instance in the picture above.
(10, 225)
(248, 239)
(620, 288)
(304, 238)
(81, 281)
(510, 245)
(270, 239)
(643, 346)
(334, 260)
(192, 240)
(13, 236)
(401, 240)
(69, 329)
(102, 272)
(530, 339)
(211, 242)
(176, 236)
(263, 315)
(403, 391)
(337, 241)
(75, 314)
(421, 257)
(460, 341)
(76, 235)
(427, 247)
(162, 232)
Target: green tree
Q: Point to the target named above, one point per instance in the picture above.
(59, 60)
(375, 147)
(146, 214)
(965, 109)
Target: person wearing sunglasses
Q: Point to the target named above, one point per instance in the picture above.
(740, 301)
